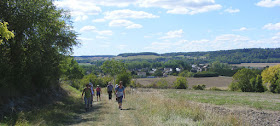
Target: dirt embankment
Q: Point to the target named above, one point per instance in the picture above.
(17, 104)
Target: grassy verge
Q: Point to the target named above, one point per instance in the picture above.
(154, 108)
(263, 101)
(61, 113)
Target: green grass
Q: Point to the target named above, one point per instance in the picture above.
(264, 101)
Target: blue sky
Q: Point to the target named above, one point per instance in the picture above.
(111, 27)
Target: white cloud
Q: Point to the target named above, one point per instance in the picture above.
(241, 29)
(268, 3)
(105, 45)
(173, 34)
(126, 13)
(221, 42)
(133, 26)
(276, 37)
(116, 3)
(84, 39)
(105, 32)
(179, 46)
(231, 37)
(124, 23)
(88, 28)
(101, 37)
(99, 20)
(81, 18)
(271, 26)
(178, 11)
(80, 9)
(182, 6)
(230, 10)
(122, 47)
(99, 32)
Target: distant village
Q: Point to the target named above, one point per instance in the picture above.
(147, 73)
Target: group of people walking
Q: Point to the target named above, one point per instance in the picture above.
(88, 94)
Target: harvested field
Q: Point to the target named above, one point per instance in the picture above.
(255, 64)
(220, 82)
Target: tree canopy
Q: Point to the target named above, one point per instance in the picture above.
(43, 37)
(271, 77)
(4, 32)
(113, 68)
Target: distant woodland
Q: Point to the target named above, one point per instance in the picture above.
(237, 56)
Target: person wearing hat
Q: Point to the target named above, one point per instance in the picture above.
(98, 92)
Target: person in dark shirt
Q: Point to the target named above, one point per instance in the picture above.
(110, 90)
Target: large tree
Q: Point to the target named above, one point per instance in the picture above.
(113, 68)
(242, 80)
(271, 77)
(43, 36)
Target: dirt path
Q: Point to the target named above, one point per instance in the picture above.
(106, 112)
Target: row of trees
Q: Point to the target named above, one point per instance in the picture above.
(250, 80)
(31, 60)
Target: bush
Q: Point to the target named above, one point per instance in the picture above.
(162, 83)
(234, 87)
(185, 73)
(215, 89)
(206, 74)
(181, 83)
(125, 78)
(139, 85)
(244, 80)
(199, 87)
(133, 83)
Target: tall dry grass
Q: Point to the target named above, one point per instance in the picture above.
(153, 108)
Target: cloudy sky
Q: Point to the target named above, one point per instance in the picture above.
(111, 27)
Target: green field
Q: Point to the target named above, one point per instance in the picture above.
(261, 101)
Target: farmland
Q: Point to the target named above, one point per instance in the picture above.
(220, 82)
(255, 64)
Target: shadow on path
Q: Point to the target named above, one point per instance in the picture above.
(128, 109)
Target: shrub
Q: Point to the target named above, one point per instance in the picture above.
(185, 73)
(215, 89)
(244, 80)
(199, 87)
(206, 74)
(162, 83)
(181, 83)
(139, 85)
(125, 78)
(133, 83)
(234, 87)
